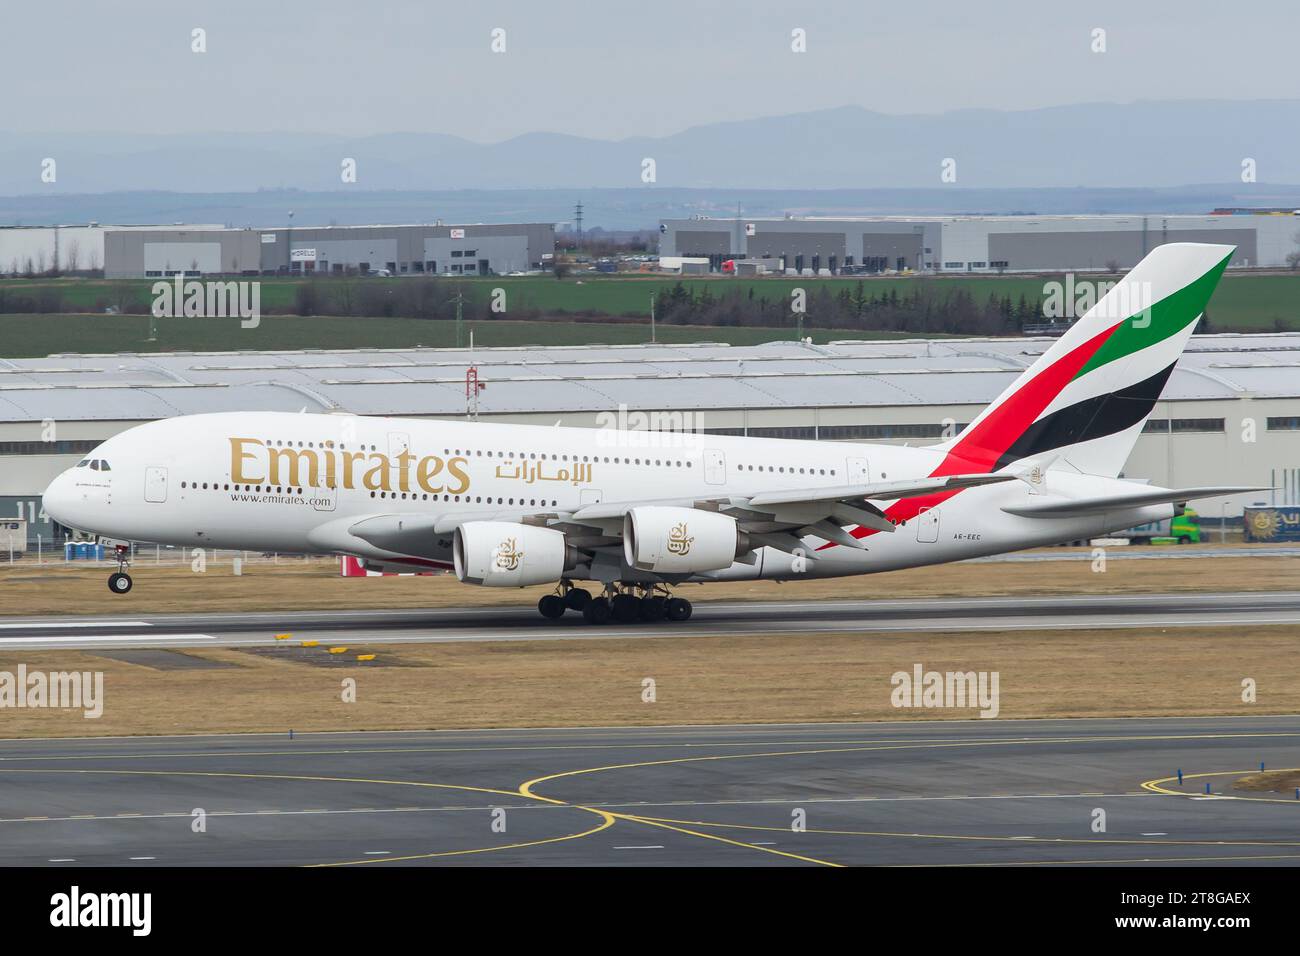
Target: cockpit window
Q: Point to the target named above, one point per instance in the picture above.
(103, 465)
(83, 463)
(94, 465)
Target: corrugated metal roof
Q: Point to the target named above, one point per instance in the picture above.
(592, 378)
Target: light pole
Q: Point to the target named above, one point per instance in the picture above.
(288, 246)
(652, 317)
(459, 299)
(460, 302)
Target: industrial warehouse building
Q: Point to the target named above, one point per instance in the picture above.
(33, 250)
(976, 244)
(1228, 416)
(302, 250)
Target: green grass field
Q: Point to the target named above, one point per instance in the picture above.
(1242, 302)
(25, 336)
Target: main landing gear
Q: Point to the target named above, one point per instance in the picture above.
(621, 603)
(120, 582)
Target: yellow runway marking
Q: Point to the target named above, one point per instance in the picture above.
(267, 776)
(979, 838)
(607, 819)
(651, 821)
(877, 747)
(1155, 786)
(528, 789)
(606, 822)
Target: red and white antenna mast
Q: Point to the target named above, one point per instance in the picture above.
(472, 387)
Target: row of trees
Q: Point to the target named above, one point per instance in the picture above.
(924, 308)
(68, 261)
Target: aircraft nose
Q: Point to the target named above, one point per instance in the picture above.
(60, 500)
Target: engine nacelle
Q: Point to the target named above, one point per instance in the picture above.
(503, 554)
(681, 540)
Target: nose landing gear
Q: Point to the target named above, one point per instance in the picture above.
(120, 582)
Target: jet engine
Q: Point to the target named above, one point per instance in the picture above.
(681, 540)
(503, 554)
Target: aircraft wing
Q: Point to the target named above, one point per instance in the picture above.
(1078, 507)
(780, 519)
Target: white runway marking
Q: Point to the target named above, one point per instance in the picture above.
(657, 846)
(53, 624)
(83, 638)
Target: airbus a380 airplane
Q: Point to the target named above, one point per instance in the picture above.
(516, 505)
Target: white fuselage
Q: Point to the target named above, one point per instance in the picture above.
(269, 481)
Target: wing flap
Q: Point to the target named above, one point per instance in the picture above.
(1079, 507)
(880, 490)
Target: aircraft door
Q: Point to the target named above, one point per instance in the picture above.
(857, 470)
(715, 467)
(155, 484)
(927, 526)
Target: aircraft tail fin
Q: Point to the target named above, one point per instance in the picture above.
(1086, 398)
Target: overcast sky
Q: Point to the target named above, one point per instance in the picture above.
(610, 70)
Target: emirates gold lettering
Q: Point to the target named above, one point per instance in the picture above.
(508, 555)
(253, 462)
(679, 541)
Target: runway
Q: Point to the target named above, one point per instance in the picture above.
(715, 618)
(977, 793)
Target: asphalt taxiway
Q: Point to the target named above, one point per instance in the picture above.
(712, 618)
(978, 793)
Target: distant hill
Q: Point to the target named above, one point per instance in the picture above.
(1141, 144)
(633, 208)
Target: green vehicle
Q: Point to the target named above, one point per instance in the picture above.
(1181, 529)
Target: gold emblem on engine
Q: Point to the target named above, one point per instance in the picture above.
(508, 555)
(679, 542)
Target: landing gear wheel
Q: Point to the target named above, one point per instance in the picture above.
(577, 598)
(119, 583)
(653, 607)
(627, 608)
(679, 609)
(597, 611)
(551, 606)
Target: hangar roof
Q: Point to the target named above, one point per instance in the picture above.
(139, 387)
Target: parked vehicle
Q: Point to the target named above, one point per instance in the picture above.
(1180, 529)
